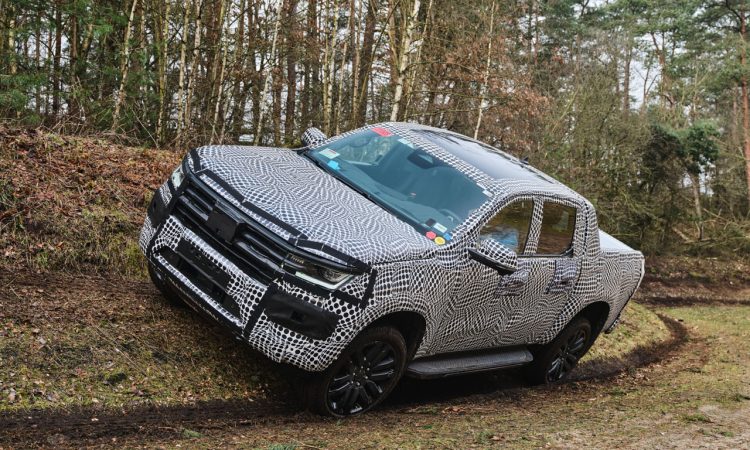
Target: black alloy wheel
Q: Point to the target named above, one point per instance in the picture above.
(363, 376)
(554, 362)
(567, 356)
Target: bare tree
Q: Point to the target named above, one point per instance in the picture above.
(269, 74)
(124, 65)
(403, 59)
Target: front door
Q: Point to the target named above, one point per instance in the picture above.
(486, 297)
(553, 260)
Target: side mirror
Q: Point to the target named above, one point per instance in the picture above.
(312, 137)
(495, 255)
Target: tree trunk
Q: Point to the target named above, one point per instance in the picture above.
(124, 64)
(342, 68)
(356, 57)
(38, 63)
(193, 77)
(182, 71)
(486, 78)
(57, 56)
(12, 44)
(365, 67)
(413, 74)
(403, 64)
(696, 190)
(291, 72)
(626, 76)
(330, 69)
(219, 91)
(269, 75)
(246, 69)
(745, 105)
(161, 26)
(310, 64)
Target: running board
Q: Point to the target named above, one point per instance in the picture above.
(458, 364)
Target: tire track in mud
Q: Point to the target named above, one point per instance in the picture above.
(75, 426)
(667, 301)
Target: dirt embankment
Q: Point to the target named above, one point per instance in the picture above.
(75, 203)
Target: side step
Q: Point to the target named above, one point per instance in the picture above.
(462, 363)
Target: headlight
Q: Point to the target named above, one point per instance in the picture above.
(178, 176)
(323, 276)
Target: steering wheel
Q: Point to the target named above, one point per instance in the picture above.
(360, 141)
(451, 215)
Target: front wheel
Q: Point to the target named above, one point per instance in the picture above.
(362, 377)
(556, 360)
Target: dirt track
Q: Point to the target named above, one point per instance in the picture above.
(93, 425)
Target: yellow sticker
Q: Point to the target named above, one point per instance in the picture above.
(439, 240)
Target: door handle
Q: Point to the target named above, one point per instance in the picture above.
(512, 285)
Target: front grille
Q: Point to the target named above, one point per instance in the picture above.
(251, 248)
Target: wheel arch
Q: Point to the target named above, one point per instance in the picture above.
(412, 326)
(597, 314)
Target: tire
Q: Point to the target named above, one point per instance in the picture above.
(363, 375)
(554, 362)
(165, 289)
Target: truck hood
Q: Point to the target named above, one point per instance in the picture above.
(286, 192)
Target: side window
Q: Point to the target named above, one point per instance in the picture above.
(510, 226)
(558, 226)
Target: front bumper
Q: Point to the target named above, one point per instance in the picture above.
(288, 319)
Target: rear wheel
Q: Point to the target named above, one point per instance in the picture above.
(164, 288)
(362, 377)
(556, 360)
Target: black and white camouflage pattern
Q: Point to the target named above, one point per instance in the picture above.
(465, 304)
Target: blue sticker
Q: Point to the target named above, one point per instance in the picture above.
(447, 236)
(333, 165)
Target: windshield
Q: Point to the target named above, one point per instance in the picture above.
(404, 179)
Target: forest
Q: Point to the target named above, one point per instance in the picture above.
(641, 106)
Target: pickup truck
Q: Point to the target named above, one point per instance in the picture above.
(394, 249)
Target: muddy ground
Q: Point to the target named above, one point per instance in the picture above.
(84, 367)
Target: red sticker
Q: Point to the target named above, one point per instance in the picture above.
(382, 131)
(430, 235)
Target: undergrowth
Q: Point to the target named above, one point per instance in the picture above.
(75, 203)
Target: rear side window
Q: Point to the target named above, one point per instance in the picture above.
(510, 226)
(558, 225)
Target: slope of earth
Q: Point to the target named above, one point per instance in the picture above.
(82, 340)
(75, 203)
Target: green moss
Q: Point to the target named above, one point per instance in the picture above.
(697, 417)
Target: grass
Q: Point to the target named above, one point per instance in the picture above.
(638, 327)
(666, 405)
(115, 343)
